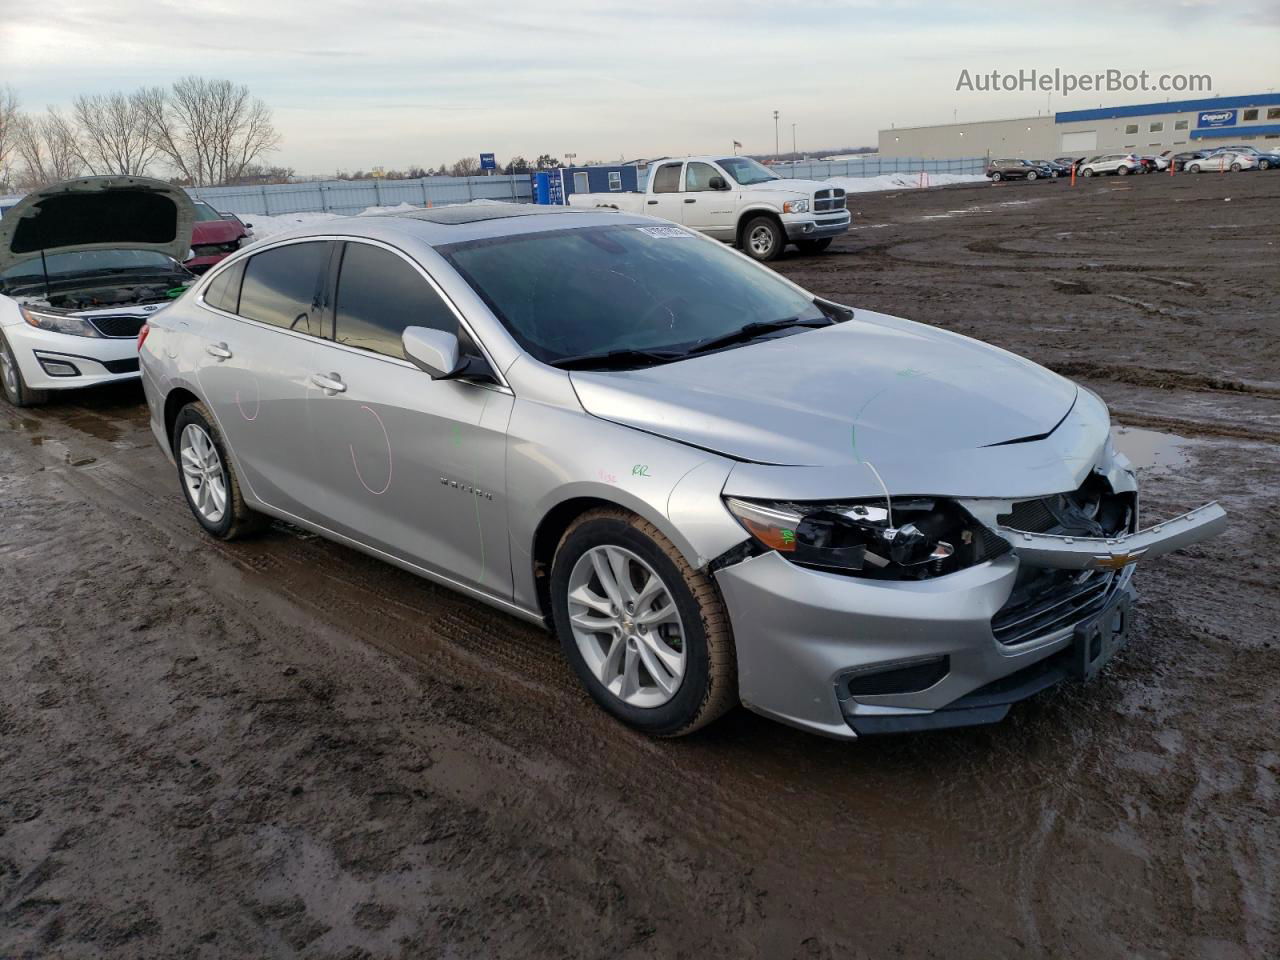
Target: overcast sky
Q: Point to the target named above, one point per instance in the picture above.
(400, 82)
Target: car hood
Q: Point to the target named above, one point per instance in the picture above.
(98, 213)
(872, 389)
(803, 187)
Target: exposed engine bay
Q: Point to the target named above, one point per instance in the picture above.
(95, 297)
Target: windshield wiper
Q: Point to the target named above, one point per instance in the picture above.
(753, 330)
(615, 359)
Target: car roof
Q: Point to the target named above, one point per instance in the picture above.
(456, 223)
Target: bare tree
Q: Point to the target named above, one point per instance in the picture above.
(49, 149)
(9, 118)
(209, 131)
(466, 167)
(115, 133)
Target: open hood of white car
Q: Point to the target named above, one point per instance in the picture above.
(98, 213)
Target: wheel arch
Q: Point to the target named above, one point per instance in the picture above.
(750, 214)
(174, 401)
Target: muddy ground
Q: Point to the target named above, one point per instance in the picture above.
(283, 748)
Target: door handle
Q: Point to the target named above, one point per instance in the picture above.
(690, 200)
(652, 202)
(330, 383)
(218, 351)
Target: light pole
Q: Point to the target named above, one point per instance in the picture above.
(571, 157)
(794, 155)
(776, 148)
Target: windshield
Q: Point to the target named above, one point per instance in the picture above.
(61, 265)
(586, 291)
(746, 171)
(206, 212)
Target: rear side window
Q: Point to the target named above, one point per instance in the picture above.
(224, 290)
(666, 179)
(379, 294)
(282, 287)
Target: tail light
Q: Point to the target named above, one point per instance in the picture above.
(142, 335)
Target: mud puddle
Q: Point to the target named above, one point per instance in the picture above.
(1151, 449)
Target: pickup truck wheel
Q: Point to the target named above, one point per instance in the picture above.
(207, 477)
(813, 246)
(762, 239)
(647, 635)
(15, 388)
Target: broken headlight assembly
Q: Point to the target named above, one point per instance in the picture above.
(913, 538)
(59, 323)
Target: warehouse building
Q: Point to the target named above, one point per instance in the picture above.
(1145, 128)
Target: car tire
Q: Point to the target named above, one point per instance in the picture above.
(1264, 164)
(997, 176)
(763, 239)
(207, 478)
(1032, 175)
(1235, 168)
(1087, 171)
(613, 662)
(12, 385)
(1193, 168)
(813, 246)
(1122, 171)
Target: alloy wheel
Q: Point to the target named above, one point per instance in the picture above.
(8, 371)
(202, 473)
(627, 626)
(761, 240)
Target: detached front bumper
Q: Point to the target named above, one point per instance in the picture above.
(844, 656)
(817, 226)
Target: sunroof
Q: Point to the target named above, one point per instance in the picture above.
(476, 212)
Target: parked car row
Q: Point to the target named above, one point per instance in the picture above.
(1234, 158)
(577, 416)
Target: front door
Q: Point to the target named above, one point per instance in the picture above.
(411, 466)
(705, 209)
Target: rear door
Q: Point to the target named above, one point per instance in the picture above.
(665, 197)
(266, 318)
(411, 466)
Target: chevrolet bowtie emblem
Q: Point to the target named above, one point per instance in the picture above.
(1116, 561)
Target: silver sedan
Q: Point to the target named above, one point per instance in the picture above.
(713, 485)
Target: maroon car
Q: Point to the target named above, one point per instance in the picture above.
(213, 238)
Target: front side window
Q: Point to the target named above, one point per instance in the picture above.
(666, 179)
(282, 286)
(697, 176)
(747, 171)
(379, 294)
(630, 287)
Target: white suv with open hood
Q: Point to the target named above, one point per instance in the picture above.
(83, 264)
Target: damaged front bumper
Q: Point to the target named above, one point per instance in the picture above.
(846, 657)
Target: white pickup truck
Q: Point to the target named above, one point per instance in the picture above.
(737, 200)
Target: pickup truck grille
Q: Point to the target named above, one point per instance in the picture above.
(828, 201)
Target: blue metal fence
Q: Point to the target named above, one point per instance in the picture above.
(873, 165)
(353, 196)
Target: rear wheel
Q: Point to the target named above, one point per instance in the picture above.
(1032, 175)
(647, 634)
(813, 246)
(1123, 171)
(1235, 168)
(207, 478)
(15, 388)
(762, 239)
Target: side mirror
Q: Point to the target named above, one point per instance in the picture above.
(717, 183)
(433, 351)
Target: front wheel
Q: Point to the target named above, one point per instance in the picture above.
(1123, 171)
(1264, 164)
(647, 634)
(14, 387)
(1032, 175)
(1088, 171)
(207, 478)
(1235, 168)
(1194, 168)
(997, 176)
(763, 240)
(813, 246)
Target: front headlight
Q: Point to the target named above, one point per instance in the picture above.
(796, 206)
(59, 323)
(909, 539)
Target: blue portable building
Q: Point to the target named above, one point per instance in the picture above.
(556, 186)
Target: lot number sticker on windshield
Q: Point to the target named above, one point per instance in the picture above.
(665, 232)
